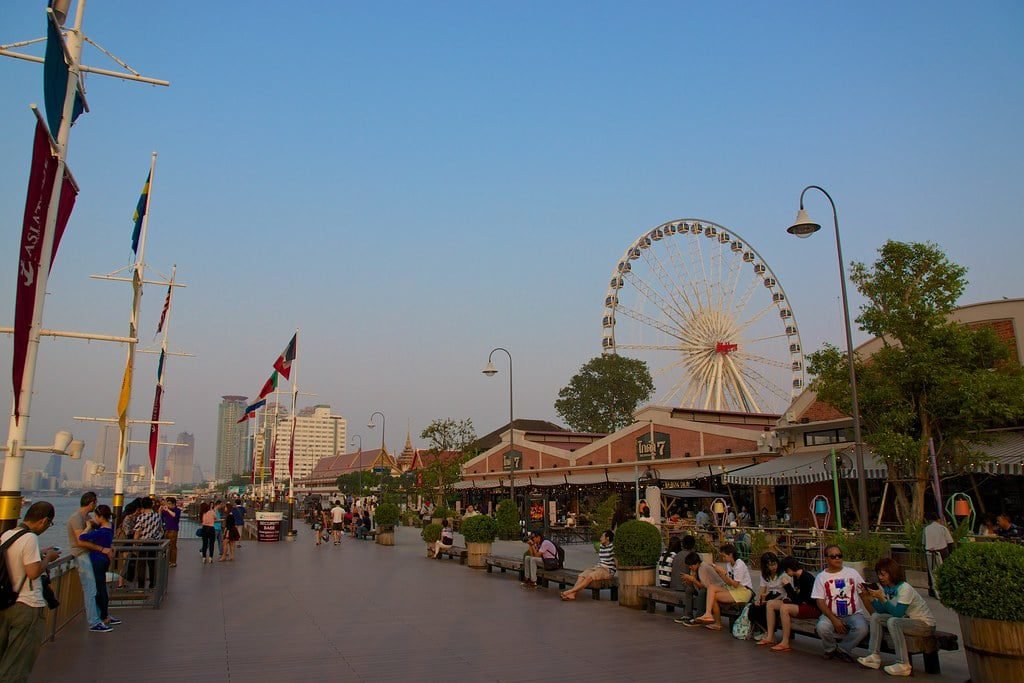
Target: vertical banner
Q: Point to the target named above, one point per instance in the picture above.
(154, 428)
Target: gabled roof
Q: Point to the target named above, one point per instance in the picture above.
(492, 439)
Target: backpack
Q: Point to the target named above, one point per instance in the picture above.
(561, 555)
(741, 627)
(8, 593)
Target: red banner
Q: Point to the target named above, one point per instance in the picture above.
(154, 429)
(37, 205)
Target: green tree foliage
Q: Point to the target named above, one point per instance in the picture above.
(637, 544)
(602, 396)
(479, 529)
(508, 520)
(932, 379)
(386, 516)
(446, 435)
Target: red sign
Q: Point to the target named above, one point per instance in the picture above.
(723, 347)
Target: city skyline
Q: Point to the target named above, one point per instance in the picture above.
(473, 185)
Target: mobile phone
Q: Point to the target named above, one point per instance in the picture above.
(870, 586)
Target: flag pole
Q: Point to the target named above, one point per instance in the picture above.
(17, 431)
(291, 447)
(155, 427)
(124, 400)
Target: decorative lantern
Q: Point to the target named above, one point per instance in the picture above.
(961, 508)
(821, 506)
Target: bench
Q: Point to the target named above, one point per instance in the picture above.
(651, 596)
(370, 535)
(505, 564)
(567, 577)
(454, 552)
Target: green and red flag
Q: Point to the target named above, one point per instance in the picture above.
(283, 364)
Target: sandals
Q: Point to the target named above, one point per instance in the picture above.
(713, 627)
(781, 648)
(704, 620)
(765, 641)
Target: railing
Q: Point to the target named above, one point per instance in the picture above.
(68, 590)
(141, 568)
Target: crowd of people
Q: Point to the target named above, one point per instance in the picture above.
(331, 521)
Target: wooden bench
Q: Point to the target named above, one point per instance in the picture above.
(370, 535)
(505, 564)
(567, 577)
(454, 552)
(651, 596)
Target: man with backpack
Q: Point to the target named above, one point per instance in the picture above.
(22, 620)
(541, 553)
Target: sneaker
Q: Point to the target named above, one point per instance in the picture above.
(872, 661)
(691, 622)
(113, 621)
(844, 656)
(829, 654)
(899, 669)
(682, 620)
(100, 628)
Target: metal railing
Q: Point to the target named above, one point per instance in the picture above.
(141, 569)
(68, 590)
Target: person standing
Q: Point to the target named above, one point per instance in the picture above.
(837, 592)
(937, 545)
(209, 535)
(148, 527)
(230, 534)
(337, 522)
(80, 550)
(100, 532)
(23, 624)
(238, 511)
(218, 526)
(171, 516)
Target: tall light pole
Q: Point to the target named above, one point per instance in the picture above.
(352, 442)
(491, 371)
(804, 227)
(383, 426)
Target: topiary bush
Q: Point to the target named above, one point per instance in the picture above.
(507, 517)
(984, 580)
(479, 529)
(637, 544)
(442, 511)
(386, 516)
(860, 549)
(431, 533)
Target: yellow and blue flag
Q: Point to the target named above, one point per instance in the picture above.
(140, 213)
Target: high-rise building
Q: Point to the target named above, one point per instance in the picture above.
(52, 468)
(231, 436)
(318, 434)
(105, 451)
(181, 458)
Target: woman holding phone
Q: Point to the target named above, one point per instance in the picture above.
(897, 606)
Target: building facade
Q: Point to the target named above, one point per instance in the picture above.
(318, 434)
(231, 438)
(180, 459)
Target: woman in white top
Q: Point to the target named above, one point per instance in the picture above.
(901, 609)
(737, 588)
(446, 541)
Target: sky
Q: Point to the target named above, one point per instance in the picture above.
(413, 184)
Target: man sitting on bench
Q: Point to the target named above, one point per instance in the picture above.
(540, 553)
(604, 571)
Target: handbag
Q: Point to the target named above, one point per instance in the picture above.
(741, 627)
(199, 531)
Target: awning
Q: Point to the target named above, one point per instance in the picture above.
(806, 468)
(691, 493)
(1006, 453)
(475, 484)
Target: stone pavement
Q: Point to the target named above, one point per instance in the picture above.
(364, 612)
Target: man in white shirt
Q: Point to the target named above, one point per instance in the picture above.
(22, 625)
(937, 545)
(837, 593)
(337, 522)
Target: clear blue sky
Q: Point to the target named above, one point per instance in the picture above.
(415, 183)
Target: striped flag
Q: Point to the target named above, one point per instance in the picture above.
(140, 213)
(283, 364)
(163, 313)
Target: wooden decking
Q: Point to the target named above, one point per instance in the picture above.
(363, 612)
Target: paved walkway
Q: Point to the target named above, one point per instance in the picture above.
(363, 612)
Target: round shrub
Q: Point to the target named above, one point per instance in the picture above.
(442, 511)
(508, 520)
(386, 516)
(431, 533)
(479, 529)
(637, 544)
(984, 580)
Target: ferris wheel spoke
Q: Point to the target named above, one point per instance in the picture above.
(647, 320)
(762, 360)
(763, 382)
(735, 271)
(666, 281)
(755, 340)
(675, 389)
(757, 316)
(668, 309)
(650, 347)
(698, 256)
(747, 294)
(677, 259)
(741, 393)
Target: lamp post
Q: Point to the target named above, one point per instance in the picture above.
(804, 227)
(491, 371)
(383, 426)
(352, 442)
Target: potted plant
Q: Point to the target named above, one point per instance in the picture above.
(860, 552)
(479, 532)
(507, 517)
(431, 534)
(441, 513)
(386, 516)
(984, 584)
(704, 547)
(637, 547)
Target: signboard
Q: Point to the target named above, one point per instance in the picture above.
(661, 450)
(513, 460)
(268, 526)
(380, 470)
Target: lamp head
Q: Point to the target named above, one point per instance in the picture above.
(370, 424)
(490, 370)
(803, 226)
(75, 449)
(61, 441)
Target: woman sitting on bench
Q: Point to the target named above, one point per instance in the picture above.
(737, 588)
(446, 541)
(901, 609)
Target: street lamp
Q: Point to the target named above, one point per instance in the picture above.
(63, 444)
(352, 442)
(804, 227)
(491, 371)
(383, 426)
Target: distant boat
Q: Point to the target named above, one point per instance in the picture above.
(25, 502)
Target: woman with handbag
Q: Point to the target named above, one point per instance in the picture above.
(773, 582)
(231, 535)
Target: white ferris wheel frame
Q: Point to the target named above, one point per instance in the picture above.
(716, 379)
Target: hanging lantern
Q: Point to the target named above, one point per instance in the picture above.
(719, 507)
(961, 508)
(821, 506)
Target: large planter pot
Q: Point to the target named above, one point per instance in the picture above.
(631, 579)
(386, 537)
(994, 649)
(857, 565)
(476, 552)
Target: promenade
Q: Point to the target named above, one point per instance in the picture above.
(363, 612)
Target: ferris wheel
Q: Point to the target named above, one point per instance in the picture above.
(706, 311)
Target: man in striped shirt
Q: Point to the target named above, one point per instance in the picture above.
(605, 570)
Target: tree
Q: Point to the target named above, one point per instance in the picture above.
(602, 396)
(446, 435)
(933, 379)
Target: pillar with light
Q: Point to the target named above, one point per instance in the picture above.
(491, 371)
